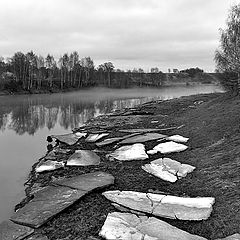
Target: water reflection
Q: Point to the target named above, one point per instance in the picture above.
(28, 114)
(35, 114)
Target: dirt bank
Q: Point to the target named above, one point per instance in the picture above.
(211, 121)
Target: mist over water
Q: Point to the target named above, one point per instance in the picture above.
(31, 113)
(26, 121)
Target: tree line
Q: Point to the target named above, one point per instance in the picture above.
(31, 71)
(34, 72)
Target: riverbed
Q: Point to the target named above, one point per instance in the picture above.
(25, 121)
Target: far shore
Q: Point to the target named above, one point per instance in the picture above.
(56, 90)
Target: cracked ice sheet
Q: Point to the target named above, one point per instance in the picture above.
(143, 138)
(126, 226)
(168, 147)
(115, 139)
(168, 169)
(183, 208)
(131, 152)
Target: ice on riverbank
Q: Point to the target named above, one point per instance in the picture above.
(168, 169)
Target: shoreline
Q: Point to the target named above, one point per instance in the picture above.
(36, 92)
(54, 91)
(203, 119)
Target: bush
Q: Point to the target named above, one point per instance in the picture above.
(229, 81)
(12, 86)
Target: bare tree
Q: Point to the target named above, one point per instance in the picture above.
(2, 65)
(32, 67)
(108, 67)
(50, 65)
(74, 65)
(19, 64)
(41, 68)
(88, 67)
(64, 69)
(227, 57)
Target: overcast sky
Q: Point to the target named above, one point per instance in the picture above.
(130, 33)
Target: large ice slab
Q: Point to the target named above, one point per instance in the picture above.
(87, 182)
(143, 138)
(54, 199)
(126, 226)
(108, 141)
(140, 130)
(183, 208)
(12, 231)
(36, 237)
(70, 138)
(83, 158)
(168, 169)
(131, 152)
(168, 147)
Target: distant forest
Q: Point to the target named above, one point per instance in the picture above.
(34, 73)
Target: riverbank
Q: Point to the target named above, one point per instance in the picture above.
(39, 91)
(167, 84)
(211, 121)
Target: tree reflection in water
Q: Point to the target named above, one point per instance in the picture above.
(29, 114)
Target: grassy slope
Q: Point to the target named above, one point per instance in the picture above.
(213, 128)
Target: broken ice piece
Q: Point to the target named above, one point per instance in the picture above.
(10, 230)
(143, 138)
(83, 158)
(131, 152)
(152, 151)
(168, 169)
(182, 208)
(53, 199)
(127, 226)
(140, 130)
(49, 166)
(69, 138)
(115, 139)
(168, 147)
(108, 141)
(80, 134)
(178, 138)
(95, 137)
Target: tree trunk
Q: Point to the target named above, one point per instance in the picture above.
(109, 79)
(238, 84)
(80, 79)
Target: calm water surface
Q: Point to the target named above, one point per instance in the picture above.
(25, 121)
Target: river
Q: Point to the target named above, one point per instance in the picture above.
(26, 121)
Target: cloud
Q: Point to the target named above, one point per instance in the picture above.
(129, 33)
